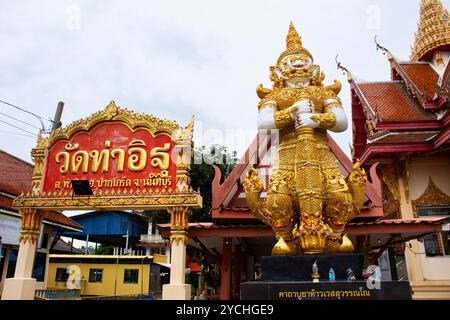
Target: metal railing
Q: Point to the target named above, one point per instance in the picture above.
(152, 238)
(150, 296)
(57, 294)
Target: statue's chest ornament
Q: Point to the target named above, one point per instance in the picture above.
(287, 97)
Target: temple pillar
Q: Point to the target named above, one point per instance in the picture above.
(23, 286)
(225, 270)
(250, 268)
(413, 260)
(244, 265)
(237, 271)
(179, 224)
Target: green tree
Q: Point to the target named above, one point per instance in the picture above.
(202, 175)
(105, 250)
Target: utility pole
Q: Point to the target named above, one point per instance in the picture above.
(57, 120)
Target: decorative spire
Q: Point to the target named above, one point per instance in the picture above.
(385, 51)
(294, 44)
(343, 69)
(293, 40)
(434, 30)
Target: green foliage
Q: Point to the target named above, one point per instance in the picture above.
(202, 175)
(105, 250)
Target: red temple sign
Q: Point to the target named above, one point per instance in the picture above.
(111, 156)
(132, 161)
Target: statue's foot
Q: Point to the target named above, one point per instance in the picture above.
(347, 245)
(332, 246)
(285, 248)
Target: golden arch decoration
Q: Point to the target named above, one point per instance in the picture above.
(432, 196)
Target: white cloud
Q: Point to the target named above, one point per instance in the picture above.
(178, 58)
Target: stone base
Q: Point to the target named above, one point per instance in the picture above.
(360, 290)
(299, 268)
(176, 292)
(19, 289)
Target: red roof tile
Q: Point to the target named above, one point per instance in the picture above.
(15, 177)
(423, 76)
(392, 103)
(15, 174)
(434, 220)
(60, 218)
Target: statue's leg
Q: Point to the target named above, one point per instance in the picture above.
(281, 212)
(338, 203)
(312, 232)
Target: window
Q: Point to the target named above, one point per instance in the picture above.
(437, 244)
(2, 261)
(61, 275)
(12, 263)
(434, 211)
(95, 275)
(131, 276)
(39, 266)
(44, 243)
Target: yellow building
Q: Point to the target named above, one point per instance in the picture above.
(102, 275)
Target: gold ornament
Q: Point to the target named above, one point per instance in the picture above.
(31, 225)
(308, 201)
(434, 29)
(284, 117)
(326, 120)
(110, 113)
(347, 245)
(432, 196)
(145, 199)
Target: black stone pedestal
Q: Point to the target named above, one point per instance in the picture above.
(281, 268)
(289, 278)
(300, 291)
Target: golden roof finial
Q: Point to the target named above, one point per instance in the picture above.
(293, 40)
(434, 30)
(293, 44)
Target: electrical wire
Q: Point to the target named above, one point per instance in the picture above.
(29, 112)
(14, 126)
(11, 117)
(17, 134)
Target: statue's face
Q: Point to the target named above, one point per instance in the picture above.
(296, 66)
(298, 82)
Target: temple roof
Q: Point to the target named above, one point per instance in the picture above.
(391, 102)
(434, 30)
(422, 76)
(409, 113)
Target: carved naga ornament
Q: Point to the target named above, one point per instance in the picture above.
(308, 202)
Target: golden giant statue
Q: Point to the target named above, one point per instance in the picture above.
(308, 202)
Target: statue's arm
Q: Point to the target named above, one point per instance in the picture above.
(333, 118)
(333, 106)
(270, 118)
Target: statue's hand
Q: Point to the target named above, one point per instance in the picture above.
(304, 120)
(304, 106)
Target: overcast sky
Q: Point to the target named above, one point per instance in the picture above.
(175, 59)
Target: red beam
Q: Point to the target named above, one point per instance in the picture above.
(394, 148)
(393, 228)
(237, 271)
(238, 232)
(231, 214)
(266, 232)
(225, 270)
(441, 138)
(414, 125)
